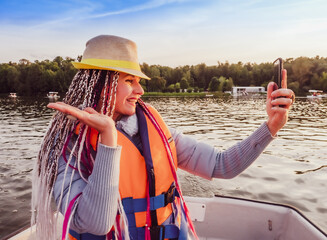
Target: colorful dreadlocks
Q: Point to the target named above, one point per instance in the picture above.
(84, 91)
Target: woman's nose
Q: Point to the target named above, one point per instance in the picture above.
(139, 89)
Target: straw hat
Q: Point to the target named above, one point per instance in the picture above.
(111, 53)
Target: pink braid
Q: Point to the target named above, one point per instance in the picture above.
(171, 162)
(148, 219)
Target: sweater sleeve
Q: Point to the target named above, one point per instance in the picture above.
(97, 206)
(208, 162)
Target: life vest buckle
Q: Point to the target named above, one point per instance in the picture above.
(170, 195)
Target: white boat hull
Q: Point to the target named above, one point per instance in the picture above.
(239, 219)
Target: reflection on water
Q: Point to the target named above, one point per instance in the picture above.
(292, 170)
(23, 123)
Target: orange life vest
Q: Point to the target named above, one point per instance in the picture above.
(135, 168)
(133, 172)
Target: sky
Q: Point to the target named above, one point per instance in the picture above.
(168, 32)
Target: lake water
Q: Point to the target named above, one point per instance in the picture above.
(292, 169)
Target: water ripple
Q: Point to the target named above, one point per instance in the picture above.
(292, 169)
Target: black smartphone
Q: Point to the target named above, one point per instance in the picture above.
(278, 71)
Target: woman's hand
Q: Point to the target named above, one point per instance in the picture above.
(105, 125)
(278, 104)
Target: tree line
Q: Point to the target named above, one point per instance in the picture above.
(39, 77)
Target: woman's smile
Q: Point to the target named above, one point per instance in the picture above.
(129, 90)
(132, 101)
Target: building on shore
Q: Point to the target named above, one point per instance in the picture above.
(244, 91)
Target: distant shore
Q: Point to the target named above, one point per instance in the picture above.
(185, 94)
(158, 94)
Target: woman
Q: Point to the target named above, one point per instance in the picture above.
(110, 160)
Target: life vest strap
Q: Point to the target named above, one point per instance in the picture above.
(77, 236)
(140, 204)
(161, 232)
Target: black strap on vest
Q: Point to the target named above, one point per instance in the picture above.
(143, 130)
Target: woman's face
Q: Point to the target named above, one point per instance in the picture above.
(129, 90)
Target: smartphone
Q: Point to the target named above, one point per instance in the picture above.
(278, 74)
(278, 71)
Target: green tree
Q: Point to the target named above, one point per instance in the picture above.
(214, 84)
(184, 83)
(199, 75)
(167, 73)
(187, 74)
(302, 71)
(170, 88)
(58, 60)
(324, 81)
(229, 84)
(69, 72)
(177, 87)
(57, 84)
(145, 69)
(47, 81)
(33, 79)
(295, 86)
(9, 78)
(316, 81)
(177, 74)
(157, 84)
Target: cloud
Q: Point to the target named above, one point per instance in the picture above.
(89, 10)
(142, 7)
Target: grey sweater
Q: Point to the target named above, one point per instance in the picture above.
(97, 207)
